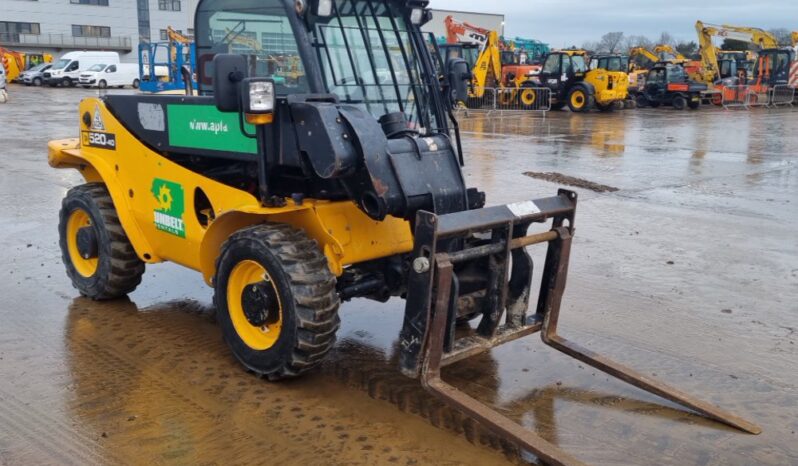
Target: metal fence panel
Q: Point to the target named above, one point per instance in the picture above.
(782, 94)
(758, 96)
(504, 100)
(734, 97)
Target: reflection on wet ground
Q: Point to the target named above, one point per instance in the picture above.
(689, 273)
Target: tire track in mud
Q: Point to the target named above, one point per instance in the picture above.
(283, 418)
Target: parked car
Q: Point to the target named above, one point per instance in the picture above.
(115, 75)
(35, 75)
(66, 71)
(3, 92)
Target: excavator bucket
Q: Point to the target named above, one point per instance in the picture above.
(475, 262)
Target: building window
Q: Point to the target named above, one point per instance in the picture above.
(190, 32)
(164, 34)
(89, 2)
(169, 5)
(143, 7)
(79, 30)
(11, 27)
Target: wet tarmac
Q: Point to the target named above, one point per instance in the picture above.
(688, 272)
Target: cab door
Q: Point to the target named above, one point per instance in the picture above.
(551, 73)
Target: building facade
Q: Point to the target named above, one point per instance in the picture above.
(60, 26)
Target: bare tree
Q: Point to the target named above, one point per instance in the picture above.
(688, 49)
(610, 42)
(637, 41)
(666, 38)
(782, 35)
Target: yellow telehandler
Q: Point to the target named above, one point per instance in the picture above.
(292, 196)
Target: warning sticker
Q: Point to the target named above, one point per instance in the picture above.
(522, 209)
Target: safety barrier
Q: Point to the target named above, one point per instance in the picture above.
(757, 96)
(734, 97)
(782, 94)
(524, 99)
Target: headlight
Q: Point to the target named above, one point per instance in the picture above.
(261, 97)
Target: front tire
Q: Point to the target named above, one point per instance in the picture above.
(679, 102)
(276, 300)
(102, 84)
(37, 82)
(579, 100)
(98, 256)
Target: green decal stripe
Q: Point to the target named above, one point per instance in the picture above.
(205, 127)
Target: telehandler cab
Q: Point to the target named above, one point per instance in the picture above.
(291, 196)
(574, 84)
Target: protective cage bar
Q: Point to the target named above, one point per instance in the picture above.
(509, 225)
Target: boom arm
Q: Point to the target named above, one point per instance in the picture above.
(664, 49)
(456, 29)
(709, 56)
(636, 51)
(489, 63)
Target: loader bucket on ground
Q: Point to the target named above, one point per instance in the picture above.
(434, 302)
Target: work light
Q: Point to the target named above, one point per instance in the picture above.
(324, 8)
(416, 16)
(259, 96)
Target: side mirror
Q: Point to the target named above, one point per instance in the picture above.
(229, 70)
(458, 76)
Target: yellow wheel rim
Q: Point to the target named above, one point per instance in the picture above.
(78, 219)
(578, 99)
(528, 97)
(245, 274)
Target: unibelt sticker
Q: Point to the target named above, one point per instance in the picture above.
(170, 202)
(97, 139)
(522, 209)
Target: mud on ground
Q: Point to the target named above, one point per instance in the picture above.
(689, 273)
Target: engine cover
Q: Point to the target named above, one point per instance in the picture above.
(397, 177)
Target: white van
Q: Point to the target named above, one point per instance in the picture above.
(2, 77)
(66, 71)
(118, 75)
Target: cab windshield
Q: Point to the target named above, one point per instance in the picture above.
(61, 64)
(369, 60)
(97, 67)
(259, 30)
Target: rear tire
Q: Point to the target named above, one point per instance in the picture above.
(606, 108)
(108, 267)
(276, 300)
(679, 102)
(136, 84)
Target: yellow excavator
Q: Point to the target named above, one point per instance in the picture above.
(794, 37)
(715, 69)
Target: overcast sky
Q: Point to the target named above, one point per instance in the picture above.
(572, 22)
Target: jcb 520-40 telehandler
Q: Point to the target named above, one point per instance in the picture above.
(294, 191)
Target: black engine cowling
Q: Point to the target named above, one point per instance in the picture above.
(386, 176)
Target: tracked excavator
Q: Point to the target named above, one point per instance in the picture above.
(291, 198)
